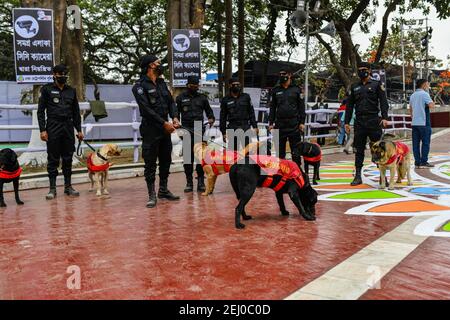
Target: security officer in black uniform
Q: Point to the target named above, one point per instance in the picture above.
(191, 105)
(155, 105)
(368, 98)
(287, 114)
(60, 102)
(237, 110)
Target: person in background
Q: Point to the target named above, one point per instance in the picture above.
(420, 104)
(191, 106)
(237, 112)
(341, 122)
(287, 114)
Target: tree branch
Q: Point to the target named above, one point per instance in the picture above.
(384, 33)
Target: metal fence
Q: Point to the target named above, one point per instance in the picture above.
(399, 123)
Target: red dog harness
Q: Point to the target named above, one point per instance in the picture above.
(8, 175)
(401, 151)
(316, 158)
(225, 158)
(93, 168)
(273, 166)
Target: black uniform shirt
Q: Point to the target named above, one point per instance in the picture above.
(367, 100)
(191, 108)
(61, 105)
(287, 108)
(239, 112)
(155, 101)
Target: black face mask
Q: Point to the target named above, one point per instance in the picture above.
(193, 90)
(61, 79)
(284, 79)
(363, 74)
(236, 89)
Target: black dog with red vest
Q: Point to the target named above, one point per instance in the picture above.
(10, 171)
(283, 176)
(312, 155)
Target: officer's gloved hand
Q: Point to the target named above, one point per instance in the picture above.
(168, 127)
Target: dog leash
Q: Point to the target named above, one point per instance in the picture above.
(80, 152)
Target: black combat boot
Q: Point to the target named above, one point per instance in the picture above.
(358, 179)
(52, 192)
(201, 184)
(68, 190)
(189, 184)
(164, 193)
(152, 201)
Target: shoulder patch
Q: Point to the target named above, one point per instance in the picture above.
(140, 90)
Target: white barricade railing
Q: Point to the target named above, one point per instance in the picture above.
(398, 125)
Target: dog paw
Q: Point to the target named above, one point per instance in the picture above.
(105, 192)
(285, 213)
(247, 217)
(240, 226)
(98, 194)
(20, 203)
(382, 188)
(308, 217)
(391, 188)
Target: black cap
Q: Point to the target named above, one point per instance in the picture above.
(60, 68)
(193, 80)
(364, 65)
(233, 80)
(288, 70)
(147, 59)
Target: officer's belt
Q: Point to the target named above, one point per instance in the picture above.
(60, 118)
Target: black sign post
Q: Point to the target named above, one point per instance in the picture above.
(185, 55)
(33, 45)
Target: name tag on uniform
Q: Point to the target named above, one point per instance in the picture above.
(186, 100)
(231, 102)
(152, 91)
(55, 92)
(357, 89)
(278, 93)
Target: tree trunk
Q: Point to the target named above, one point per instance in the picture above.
(228, 42)
(241, 41)
(268, 43)
(219, 53)
(384, 30)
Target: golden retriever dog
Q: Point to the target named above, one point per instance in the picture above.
(392, 156)
(98, 167)
(219, 162)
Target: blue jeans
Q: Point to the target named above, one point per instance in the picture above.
(341, 137)
(421, 134)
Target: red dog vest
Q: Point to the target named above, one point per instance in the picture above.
(10, 175)
(316, 158)
(225, 158)
(273, 166)
(93, 168)
(401, 151)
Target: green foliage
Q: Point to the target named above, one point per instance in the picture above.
(7, 68)
(119, 32)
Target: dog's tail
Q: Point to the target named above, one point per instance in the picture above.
(389, 137)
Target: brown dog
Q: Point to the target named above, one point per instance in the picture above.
(98, 166)
(392, 156)
(226, 159)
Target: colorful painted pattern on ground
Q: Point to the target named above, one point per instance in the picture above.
(427, 197)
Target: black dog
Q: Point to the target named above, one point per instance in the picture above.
(10, 172)
(312, 155)
(245, 178)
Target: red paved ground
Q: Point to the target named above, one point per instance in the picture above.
(424, 274)
(188, 250)
(184, 250)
